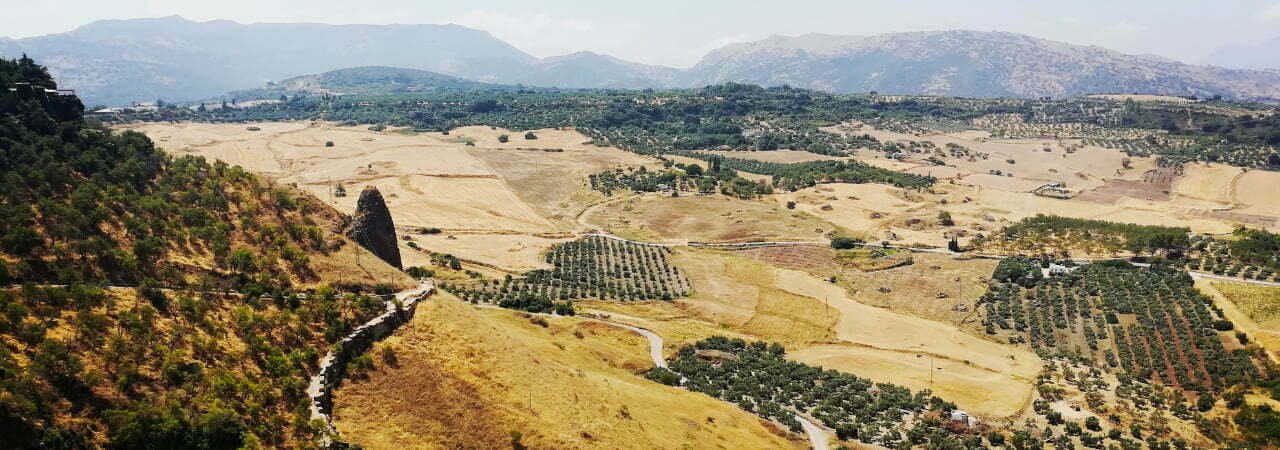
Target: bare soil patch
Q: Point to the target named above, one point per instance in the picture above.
(712, 218)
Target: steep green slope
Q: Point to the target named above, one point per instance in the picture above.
(160, 303)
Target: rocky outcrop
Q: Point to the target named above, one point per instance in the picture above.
(373, 228)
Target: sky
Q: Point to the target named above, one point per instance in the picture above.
(679, 32)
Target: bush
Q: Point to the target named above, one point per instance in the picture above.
(1018, 270)
(420, 272)
(503, 138)
(530, 136)
(944, 218)
(664, 376)
(844, 242)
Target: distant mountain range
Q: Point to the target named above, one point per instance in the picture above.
(120, 61)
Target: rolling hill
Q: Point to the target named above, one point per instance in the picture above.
(153, 301)
(377, 80)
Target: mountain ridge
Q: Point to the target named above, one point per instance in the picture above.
(122, 61)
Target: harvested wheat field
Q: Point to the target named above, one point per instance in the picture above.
(743, 295)
(902, 216)
(1255, 310)
(986, 377)
(1036, 160)
(467, 378)
(821, 324)
(513, 252)
(711, 218)
(429, 179)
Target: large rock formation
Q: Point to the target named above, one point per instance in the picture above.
(372, 227)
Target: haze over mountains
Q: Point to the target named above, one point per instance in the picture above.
(1264, 55)
(121, 61)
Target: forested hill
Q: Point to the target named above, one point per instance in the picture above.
(371, 80)
(140, 320)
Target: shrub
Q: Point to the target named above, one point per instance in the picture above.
(844, 242)
(530, 136)
(664, 376)
(503, 138)
(1018, 270)
(944, 218)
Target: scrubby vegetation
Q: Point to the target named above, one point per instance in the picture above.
(680, 178)
(174, 360)
(1045, 234)
(758, 378)
(592, 267)
(1247, 253)
(806, 174)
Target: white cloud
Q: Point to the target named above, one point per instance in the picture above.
(538, 34)
(1272, 14)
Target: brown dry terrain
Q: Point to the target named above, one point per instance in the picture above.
(429, 179)
(467, 377)
(821, 324)
(705, 218)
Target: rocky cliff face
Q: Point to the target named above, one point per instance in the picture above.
(372, 227)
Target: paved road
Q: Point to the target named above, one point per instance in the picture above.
(817, 436)
(655, 342)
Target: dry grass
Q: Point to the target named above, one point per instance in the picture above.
(1252, 308)
(820, 323)
(741, 293)
(340, 267)
(991, 379)
(468, 377)
(1261, 303)
(512, 252)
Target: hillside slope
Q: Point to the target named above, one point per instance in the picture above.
(968, 63)
(204, 337)
(368, 80)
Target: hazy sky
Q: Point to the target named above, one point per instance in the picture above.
(678, 32)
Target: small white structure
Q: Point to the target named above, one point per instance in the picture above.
(961, 418)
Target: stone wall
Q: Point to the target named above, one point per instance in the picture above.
(333, 365)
